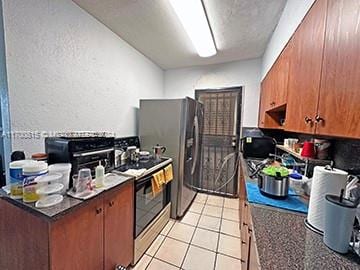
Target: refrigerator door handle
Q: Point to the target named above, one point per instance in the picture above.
(196, 125)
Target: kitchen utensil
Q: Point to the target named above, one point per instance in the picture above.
(296, 182)
(322, 148)
(338, 222)
(49, 201)
(144, 155)
(308, 150)
(274, 182)
(82, 181)
(64, 169)
(132, 154)
(49, 189)
(118, 157)
(158, 151)
(48, 179)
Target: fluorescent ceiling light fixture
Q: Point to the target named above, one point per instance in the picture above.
(193, 18)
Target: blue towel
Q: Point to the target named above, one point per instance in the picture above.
(290, 203)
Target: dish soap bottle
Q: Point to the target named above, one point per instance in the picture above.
(99, 175)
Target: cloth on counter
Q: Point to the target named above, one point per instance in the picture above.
(157, 181)
(168, 171)
(135, 173)
(291, 203)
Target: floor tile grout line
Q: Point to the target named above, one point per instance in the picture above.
(201, 214)
(187, 251)
(217, 246)
(167, 236)
(152, 257)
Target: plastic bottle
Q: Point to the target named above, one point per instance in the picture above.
(99, 175)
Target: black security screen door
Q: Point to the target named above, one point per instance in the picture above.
(220, 140)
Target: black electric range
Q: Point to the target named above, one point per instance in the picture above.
(151, 165)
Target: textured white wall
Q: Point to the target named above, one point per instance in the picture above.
(183, 82)
(293, 13)
(67, 71)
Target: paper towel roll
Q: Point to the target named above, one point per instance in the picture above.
(324, 182)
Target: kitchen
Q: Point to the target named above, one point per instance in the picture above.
(279, 80)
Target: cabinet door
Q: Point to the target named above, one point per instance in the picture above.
(281, 78)
(261, 121)
(76, 240)
(23, 239)
(340, 83)
(119, 226)
(264, 101)
(305, 70)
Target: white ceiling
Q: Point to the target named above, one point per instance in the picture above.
(241, 28)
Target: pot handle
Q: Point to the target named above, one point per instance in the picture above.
(260, 181)
(278, 176)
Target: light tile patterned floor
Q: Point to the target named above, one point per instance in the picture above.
(207, 237)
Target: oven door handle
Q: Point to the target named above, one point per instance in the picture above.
(85, 154)
(142, 181)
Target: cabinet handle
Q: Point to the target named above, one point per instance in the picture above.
(243, 242)
(319, 119)
(244, 224)
(308, 120)
(98, 210)
(111, 204)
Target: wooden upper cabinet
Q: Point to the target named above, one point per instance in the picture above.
(280, 78)
(305, 70)
(118, 227)
(263, 101)
(340, 84)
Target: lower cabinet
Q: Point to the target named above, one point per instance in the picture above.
(97, 235)
(249, 254)
(118, 227)
(76, 240)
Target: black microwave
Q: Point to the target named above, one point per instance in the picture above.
(257, 147)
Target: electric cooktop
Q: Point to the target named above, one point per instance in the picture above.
(150, 164)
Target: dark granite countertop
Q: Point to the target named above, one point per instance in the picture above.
(68, 204)
(283, 241)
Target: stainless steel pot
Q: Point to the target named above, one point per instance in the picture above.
(273, 186)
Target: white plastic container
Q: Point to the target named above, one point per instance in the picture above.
(31, 171)
(64, 169)
(16, 178)
(47, 179)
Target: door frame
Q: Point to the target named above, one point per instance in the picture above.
(238, 128)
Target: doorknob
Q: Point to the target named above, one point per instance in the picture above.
(111, 203)
(318, 119)
(308, 120)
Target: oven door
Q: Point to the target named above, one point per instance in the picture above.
(91, 159)
(147, 206)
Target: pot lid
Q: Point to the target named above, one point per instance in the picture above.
(275, 171)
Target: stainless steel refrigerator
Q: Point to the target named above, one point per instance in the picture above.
(175, 124)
